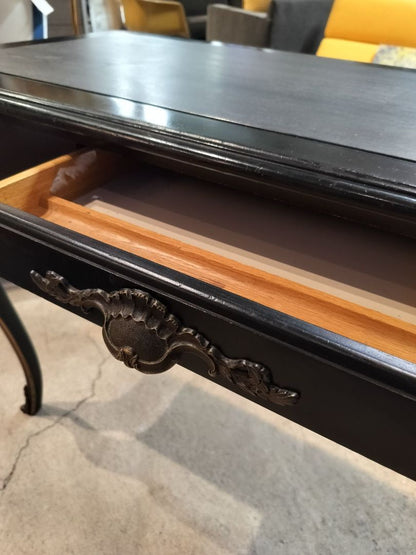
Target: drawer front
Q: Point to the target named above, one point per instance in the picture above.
(350, 393)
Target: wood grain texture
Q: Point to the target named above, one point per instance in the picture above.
(348, 319)
(71, 175)
(33, 190)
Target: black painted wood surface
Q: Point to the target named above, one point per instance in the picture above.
(335, 136)
(350, 104)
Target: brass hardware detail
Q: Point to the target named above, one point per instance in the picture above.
(139, 331)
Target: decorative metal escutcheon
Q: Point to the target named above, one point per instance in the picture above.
(139, 331)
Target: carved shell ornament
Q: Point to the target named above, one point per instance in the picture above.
(139, 331)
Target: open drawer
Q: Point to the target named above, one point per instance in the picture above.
(311, 316)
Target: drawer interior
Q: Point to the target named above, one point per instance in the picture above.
(353, 280)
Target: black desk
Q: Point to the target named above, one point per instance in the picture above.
(319, 135)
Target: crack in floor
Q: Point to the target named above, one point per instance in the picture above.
(8, 478)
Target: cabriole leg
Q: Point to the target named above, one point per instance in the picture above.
(19, 339)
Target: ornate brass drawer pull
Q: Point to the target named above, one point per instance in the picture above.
(139, 331)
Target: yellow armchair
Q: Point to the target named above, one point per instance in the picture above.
(356, 28)
(162, 17)
(256, 5)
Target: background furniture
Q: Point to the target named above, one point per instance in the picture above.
(291, 25)
(238, 26)
(298, 25)
(163, 17)
(152, 16)
(197, 16)
(356, 29)
(256, 5)
(68, 18)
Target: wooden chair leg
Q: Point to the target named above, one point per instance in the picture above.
(22, 345)
(75, 17)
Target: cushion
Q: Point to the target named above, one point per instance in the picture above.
(347, 50)
(375, 21)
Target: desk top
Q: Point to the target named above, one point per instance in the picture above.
(338, 135)
(351, 104)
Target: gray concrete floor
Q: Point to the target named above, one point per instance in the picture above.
(121, 463)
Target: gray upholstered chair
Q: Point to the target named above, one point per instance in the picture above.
(292, 25)
(238, 26)
(197, 16)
